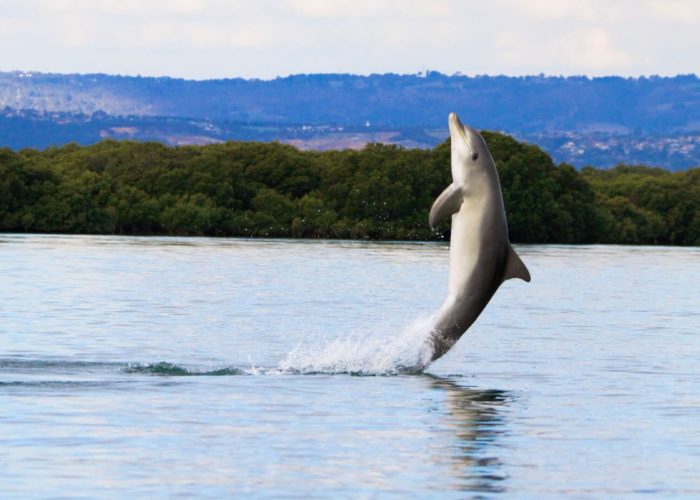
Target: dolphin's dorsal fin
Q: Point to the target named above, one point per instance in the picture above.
(447, 203)
(515, 267)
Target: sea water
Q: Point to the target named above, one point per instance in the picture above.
(194, 367)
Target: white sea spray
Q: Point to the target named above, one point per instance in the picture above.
(364, 353)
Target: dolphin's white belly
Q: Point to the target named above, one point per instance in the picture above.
(465, 246)
(478, 244)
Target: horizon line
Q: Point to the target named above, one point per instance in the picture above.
(419, 74)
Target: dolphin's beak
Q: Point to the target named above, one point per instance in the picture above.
(456, 128)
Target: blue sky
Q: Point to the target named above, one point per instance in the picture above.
(267, 38)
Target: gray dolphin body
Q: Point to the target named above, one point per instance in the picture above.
(481, 257)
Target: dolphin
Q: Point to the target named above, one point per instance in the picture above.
(481, 257)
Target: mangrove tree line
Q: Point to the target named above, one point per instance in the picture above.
(379, 192)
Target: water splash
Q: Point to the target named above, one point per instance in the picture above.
(365, 353)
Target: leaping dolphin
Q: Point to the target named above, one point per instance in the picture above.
(481, 257)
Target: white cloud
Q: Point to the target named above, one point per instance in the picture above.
(62, 6)
(580, 10)
(205, 35)
(353, 9)
(397, 34)
(593, 50)
(324, 9)
(590, 49)
(676, 11)
(73, 30)
(266, 38)
(157, 34)
(252, 38)
(14, 26)
(124, 7)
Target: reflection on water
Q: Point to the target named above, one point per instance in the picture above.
(477, 418)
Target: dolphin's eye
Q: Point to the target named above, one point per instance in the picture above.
(475, 156)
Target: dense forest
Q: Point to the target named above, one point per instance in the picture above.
(379, 192)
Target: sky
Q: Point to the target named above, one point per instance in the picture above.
(202, 39)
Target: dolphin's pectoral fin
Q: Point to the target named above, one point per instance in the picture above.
(515, 267)
(447, 203)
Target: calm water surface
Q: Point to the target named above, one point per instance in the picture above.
(141, 367)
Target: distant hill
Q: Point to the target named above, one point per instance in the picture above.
(525, 104)
(601, 121)
(40, 129)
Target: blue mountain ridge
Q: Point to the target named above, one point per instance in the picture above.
(580, 120)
